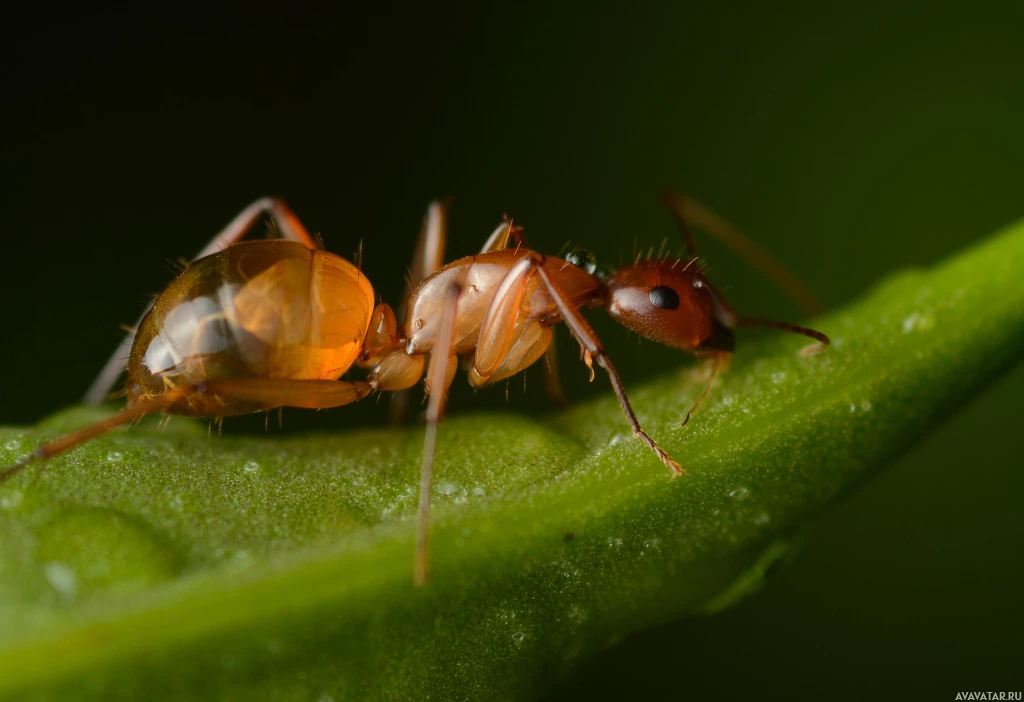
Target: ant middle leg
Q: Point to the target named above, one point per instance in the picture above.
(430, 245)
(552, 375)
(507, 345)
(287, 225)
(439, 377)
(505, 235)
(427, 259)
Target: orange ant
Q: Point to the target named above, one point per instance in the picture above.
(253, 326)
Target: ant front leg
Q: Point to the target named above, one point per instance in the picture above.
(287, 225)
(593, 351)
(716, 362)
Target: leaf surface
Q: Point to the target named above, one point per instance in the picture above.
(163, 565)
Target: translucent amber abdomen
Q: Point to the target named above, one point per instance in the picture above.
(262, 309)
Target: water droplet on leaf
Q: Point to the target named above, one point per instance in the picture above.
(62, 579)
(11, 500)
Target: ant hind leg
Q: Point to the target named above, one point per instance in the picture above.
(76, 438)
(271, 393)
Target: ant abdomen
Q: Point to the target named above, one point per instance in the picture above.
(263, 309)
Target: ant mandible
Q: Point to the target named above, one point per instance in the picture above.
(252, 326)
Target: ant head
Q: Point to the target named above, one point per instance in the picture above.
(669, 302)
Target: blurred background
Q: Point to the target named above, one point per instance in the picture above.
(850, 140)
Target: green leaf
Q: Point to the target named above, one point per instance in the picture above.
(163, 565)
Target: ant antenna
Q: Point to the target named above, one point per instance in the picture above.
(685, 210)
(676, 205)
(823, 340)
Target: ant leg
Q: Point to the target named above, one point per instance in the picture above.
(685, 210)
(430, 246)
(439, 377)
(381, 336)
(593, 351)
(504, 347)
(75, 438)
(313, 394)
(507, 232)
(428, 257)
(498, 327)
(719, 360)
(287, 224)
(279, 392)
(552, 382)
(532, 340)
(504, 233)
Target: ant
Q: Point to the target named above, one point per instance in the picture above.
(251, 326)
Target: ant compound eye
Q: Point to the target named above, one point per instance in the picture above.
(581, 258)
(664, 297)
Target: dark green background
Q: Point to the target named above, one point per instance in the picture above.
(850, 141)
